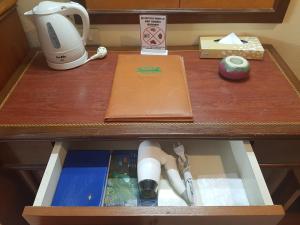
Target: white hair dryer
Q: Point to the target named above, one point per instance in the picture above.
(150, 159)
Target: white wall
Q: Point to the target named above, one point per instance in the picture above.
(285, 37)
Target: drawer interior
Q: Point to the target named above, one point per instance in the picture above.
(225, 173)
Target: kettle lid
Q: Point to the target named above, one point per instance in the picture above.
(47, 7)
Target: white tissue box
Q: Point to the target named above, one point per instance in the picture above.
(250, 49)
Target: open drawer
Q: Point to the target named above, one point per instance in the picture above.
(212, 162)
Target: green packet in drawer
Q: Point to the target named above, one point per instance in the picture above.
(122, 186)
(82, 179)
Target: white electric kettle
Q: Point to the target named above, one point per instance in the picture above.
(60, 41)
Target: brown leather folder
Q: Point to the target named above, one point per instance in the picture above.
(149, 88)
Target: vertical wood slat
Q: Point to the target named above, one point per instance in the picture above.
(131, 4)
(227, 4)
(13, 44)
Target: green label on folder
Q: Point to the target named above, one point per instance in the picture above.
(147, 70)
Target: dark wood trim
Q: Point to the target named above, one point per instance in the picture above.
(156, 130)
(24, 167)
(284, 66)
(7, 12)
(230, 132)
(7, 7)
(275, 15)
(280, 165)
(29, 179)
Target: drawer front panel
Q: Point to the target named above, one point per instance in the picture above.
(262, 215)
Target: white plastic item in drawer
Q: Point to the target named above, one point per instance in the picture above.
(229, 184)
(225, 174)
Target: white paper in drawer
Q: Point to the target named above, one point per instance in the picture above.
(227, 190)
(167, 197)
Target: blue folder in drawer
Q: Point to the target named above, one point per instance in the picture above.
(82, 180)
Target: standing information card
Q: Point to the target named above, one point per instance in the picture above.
(153, 34)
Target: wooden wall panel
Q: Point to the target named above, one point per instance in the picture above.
(5, 5)
(25, 152)
(227, 4)
(131, 4)
(211, 11)
(13, 44)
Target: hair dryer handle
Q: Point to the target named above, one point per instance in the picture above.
(174, 177)
(75, 8)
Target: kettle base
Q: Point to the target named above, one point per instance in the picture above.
(70, 65)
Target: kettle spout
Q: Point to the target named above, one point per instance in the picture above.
(28, 13)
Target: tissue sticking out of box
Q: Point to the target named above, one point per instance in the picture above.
(247, 47)
(231, 39)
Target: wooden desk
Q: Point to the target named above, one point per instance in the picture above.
(50, 105)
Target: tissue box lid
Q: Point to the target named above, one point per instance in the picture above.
(210, 48)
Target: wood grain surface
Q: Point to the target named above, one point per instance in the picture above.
(249, 215)
(132, 4)
(6, 5)
(73, 103)
(13, 42)
(227, 4)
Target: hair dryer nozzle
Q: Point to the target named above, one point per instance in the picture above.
(148, 189)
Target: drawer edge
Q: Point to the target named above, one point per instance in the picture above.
(270, 215)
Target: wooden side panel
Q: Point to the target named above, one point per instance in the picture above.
(13, 44)
(5, 5)
(131, 4)
(227, 4)
(270, 152)
(265, 215)
(289, 189)
(14, 194)
(23, 153)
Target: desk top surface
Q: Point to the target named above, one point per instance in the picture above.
(59, 104)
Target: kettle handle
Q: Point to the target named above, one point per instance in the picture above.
(75, 8)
